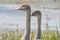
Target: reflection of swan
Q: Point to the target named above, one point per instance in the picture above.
(27, 9)
(38, 30)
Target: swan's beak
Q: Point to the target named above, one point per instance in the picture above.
(18, 9)
(31, 14)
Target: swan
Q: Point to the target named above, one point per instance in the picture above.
(38, 15)
(27, 9)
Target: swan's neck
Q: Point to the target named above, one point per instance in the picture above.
(28, 21)
(38, 29)
(27, 31)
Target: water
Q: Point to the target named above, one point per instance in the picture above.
(9, 18)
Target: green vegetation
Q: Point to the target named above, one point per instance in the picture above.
(46, 35)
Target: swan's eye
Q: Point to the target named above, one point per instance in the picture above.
(23, 6)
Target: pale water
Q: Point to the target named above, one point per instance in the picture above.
(9, 18)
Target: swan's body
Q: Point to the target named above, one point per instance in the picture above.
(27, 9)
(38, 29)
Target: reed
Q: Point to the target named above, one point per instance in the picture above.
(46, 35)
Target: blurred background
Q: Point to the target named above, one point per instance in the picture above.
(14, 21)
(39, 3)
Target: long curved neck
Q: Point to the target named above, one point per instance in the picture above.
(27, 31)
(38, 30)
(28, 21)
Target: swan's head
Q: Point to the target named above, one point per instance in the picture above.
(36, 13)
(24, 7)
